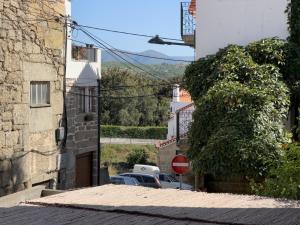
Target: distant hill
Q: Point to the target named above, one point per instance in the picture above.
(108, 57)
(160, 70)
(159, 67)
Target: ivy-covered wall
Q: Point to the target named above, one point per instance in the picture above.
(241, 101)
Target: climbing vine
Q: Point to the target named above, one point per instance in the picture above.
(241, 100)
(242, 95)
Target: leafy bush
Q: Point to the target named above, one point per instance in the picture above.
(137, 156)
(134, 132)
(269, 51)
(240, 106)
(284, 179)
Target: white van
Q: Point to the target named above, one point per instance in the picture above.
(152, 170)
(166, 180)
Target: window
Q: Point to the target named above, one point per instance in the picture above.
(82, 99)
(149, 180)
(84, 53)
(92, 100)
(162, 177)
(87, 99)
(40, 93)
(139, 178)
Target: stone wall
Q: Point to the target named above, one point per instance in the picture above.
(31, 49)
(81, 138)
(165, 156)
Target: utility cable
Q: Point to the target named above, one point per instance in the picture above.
(119, 97)
(133, 65)
(123, 32)
(133, 59)
(141, 55)
(121, 87)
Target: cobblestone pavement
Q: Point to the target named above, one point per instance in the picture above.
(112, 204)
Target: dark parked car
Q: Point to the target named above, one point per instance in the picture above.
(145, 180)
(124, 180)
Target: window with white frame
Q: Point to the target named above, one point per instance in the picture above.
(87, 99)
(40, 93)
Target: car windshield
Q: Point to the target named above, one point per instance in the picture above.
(134, 181)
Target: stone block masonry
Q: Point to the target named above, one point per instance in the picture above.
(31, 50)
(81, 139)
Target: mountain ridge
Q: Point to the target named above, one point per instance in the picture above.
(136, 59)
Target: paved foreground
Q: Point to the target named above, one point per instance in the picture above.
(112, 204)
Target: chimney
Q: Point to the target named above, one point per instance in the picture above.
(176, 93)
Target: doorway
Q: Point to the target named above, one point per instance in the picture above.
(84, 170)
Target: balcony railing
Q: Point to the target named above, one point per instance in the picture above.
(188, 24)
(184, 119)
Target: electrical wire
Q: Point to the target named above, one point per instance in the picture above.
(141, 55)
(121, 87)
(147, 72)
(133, 59)
(123, 97)
(123, 32)
(106, 48)
(116, 98)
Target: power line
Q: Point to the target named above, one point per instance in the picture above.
(135, 61)
(124, 97)
(123, 32)
(141, 55)
(103, 45)
(34, 20)
(120, 87)
(119, 97)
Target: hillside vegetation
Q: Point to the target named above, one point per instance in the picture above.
(115, 156)
(133, 99)
(162, 70)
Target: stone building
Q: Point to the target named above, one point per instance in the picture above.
(31, 92)
(78, 161)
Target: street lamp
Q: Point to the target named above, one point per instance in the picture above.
(158, 40)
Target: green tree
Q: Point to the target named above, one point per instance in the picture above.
(240, 106)
(283, 180)
(142, 111)
(137, 156)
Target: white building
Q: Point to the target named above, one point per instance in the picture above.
(78, 162)
(181, 102)
(219, 23)
(181, 110)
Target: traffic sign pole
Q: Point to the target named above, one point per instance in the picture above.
(180, 176)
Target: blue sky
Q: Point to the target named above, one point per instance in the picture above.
(138, 16)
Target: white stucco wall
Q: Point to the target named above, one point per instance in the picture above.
(223, 22)
(84, 72)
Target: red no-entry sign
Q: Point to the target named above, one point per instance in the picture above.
(180, 164)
